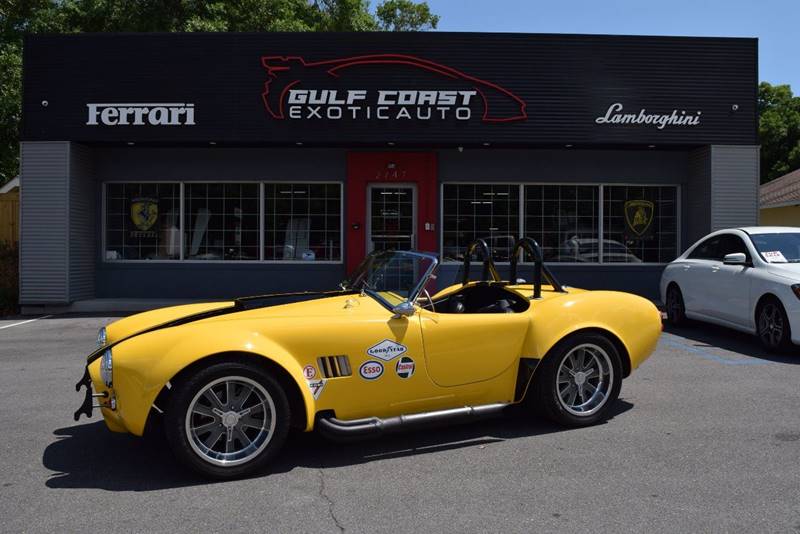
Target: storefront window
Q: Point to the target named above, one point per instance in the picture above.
(640, 224)
(142, 221)
(564, 220)
(302, 222)
(472, 211)
(221, 221)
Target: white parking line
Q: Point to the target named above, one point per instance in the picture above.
(24, 322)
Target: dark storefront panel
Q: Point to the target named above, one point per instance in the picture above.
(217, 165)
(515, 89)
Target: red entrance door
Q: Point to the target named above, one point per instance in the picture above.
(390, 188)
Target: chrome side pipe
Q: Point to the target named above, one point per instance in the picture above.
(374, 426)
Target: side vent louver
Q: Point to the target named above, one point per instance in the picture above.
(334, 366)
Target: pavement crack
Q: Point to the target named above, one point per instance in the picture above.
(327, 498)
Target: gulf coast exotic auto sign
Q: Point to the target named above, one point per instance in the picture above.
(412, 89)
(330, 90)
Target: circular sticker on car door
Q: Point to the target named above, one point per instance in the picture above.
(405, 367)
(370, 370)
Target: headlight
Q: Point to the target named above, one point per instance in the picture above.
(106, 370)
(101, 337)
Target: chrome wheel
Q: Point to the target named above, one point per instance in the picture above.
(230, 421)
(584, 379)
(771, 325)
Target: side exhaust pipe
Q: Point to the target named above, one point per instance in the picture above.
(354, 429)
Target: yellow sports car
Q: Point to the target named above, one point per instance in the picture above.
(227, 380)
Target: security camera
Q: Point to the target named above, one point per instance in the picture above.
(735, 107)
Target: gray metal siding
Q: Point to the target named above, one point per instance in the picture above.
(734, 186)
(698, 197)
(81, 224)
(44, 244)
(601, 166)
(218, 164)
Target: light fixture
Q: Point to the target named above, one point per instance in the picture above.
(130, 143)
(390, 143)
(651, 146)
(299, 143)
(486, 144)
(568, 146)
(212, 143)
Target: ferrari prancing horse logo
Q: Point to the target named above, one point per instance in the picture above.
(144, 212)
(639, 216)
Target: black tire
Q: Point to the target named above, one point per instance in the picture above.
(186, 437)
(772, 325)
(676, 310)
(547, 389)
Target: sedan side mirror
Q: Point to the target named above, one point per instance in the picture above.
(737, 258)
(404, 309)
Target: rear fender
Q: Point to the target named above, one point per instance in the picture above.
(634, 321)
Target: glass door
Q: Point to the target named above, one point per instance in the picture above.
(392, 217)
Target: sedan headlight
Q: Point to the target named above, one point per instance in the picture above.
(106, 368)
(101, 337)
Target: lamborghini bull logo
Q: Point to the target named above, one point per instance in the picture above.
(639, 216)
(144, 213)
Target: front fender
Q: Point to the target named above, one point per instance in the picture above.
(143, 365)
(635, 321)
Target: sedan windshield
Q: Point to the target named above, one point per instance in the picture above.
(392, 276)
(778, 248)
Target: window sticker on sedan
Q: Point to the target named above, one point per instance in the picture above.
(775, 256)
(387, 350)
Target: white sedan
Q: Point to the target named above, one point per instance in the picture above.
(743, 278)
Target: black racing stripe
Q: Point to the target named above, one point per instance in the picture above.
(239, 305)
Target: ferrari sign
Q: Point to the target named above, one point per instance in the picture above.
(639, 218)
(144, 214)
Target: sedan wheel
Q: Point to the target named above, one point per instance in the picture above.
(227, 420)
(676, 310)
(773, 325)
(578, 380)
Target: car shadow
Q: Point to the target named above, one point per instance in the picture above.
(706, 335)
(89, 456)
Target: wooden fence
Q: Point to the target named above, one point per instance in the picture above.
(9, 217)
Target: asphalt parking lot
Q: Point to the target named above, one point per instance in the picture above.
(705, 438)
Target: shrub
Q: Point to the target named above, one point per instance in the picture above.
(9, 278)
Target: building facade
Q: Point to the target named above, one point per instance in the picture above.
(213, 165)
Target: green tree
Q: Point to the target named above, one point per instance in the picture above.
(778, 130)
(18, 17)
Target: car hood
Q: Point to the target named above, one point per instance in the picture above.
(141, 322)
(785, 270)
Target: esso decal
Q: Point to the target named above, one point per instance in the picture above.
(309, 371)
(370, 370)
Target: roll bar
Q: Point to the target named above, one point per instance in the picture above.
(539, 268)
(488, 264)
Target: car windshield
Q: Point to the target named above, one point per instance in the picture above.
(392, 276)
(778, 248)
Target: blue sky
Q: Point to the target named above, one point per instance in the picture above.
(776, 23)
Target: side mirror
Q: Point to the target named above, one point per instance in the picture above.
(737, 258)
(404, 309)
